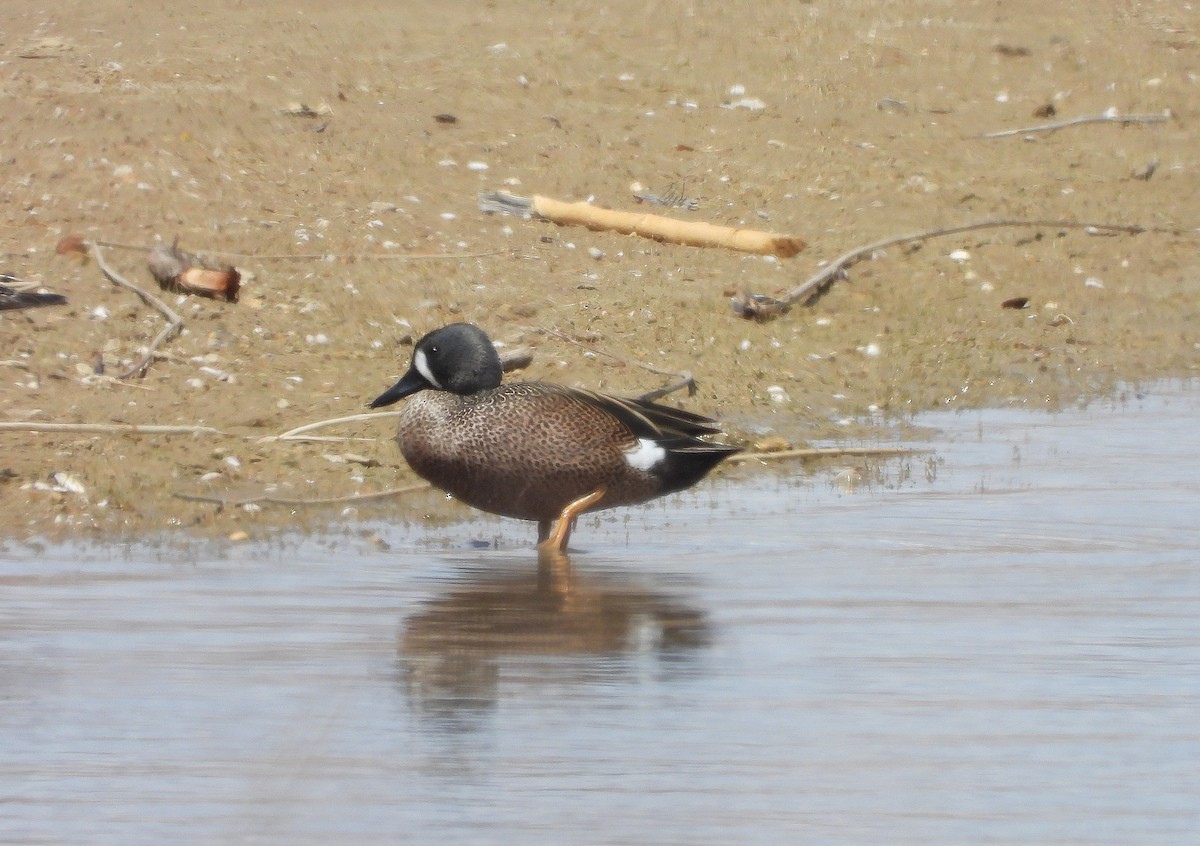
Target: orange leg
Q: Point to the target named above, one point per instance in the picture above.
(557, 539)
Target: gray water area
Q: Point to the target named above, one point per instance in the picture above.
(995, 643)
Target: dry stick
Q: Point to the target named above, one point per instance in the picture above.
(686, 380)
(174, 324)
(319, 256)
(668, 229)
(278, 500)
(108, 428)
(295, 434)
(1054, 127)
(823, 452)
(509, 360)
(838, 266)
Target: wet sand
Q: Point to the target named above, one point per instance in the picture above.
(176, 123)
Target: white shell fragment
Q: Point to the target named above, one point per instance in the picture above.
(69, 483)
(752, 104)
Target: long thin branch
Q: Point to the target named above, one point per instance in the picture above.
(823, 452)
(685, 377)
(174, 321)
(107, 428)
(760, 305)
(116, 245)
(218, 499)
(1054, 127)
(297, 433)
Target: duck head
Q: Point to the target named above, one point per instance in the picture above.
(458, 358)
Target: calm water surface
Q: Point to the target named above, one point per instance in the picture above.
(996, 644)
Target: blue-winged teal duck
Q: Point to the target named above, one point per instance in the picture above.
(536, 450)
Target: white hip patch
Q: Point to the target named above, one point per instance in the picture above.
(646, 455)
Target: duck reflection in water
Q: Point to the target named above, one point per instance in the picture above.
(506, 624)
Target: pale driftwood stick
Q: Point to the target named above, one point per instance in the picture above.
(823, 452)
(278, 500)
(174, 321)
(686, 232)
(761, 305)
(1054, 127)
(108, 428)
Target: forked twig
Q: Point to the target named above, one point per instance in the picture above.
(174, 321)
(761, 306)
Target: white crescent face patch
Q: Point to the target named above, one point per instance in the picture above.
(422, 366)
(646, 455)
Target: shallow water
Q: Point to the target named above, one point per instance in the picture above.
(998, 643)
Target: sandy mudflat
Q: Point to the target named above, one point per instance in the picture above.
(131, 127)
